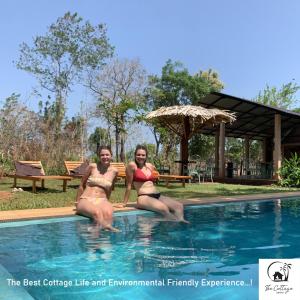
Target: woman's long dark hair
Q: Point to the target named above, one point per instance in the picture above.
(140, 147)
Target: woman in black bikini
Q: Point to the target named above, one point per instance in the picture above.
(95, 189)
(141, 175)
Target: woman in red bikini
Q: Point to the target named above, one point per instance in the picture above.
(141, 175)
(95, 189)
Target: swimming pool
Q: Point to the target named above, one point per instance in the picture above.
(67, 258)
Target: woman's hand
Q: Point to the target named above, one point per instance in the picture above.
(120, 205)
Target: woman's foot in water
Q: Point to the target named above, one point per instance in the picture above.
(110, 228)
(184, 221)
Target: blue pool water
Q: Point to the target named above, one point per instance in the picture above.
(223, 242)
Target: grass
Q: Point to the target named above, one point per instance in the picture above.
(53, 196)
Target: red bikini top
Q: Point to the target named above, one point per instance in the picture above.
(140, 176)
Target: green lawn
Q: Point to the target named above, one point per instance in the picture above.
(53, 196)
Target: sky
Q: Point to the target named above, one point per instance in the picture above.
(249, 43)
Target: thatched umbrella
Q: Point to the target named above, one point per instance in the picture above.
(187, 120)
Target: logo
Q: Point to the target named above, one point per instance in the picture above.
(279, 279)
(279, 271)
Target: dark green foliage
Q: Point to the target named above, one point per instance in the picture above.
(202, 146)
(176, 86)
(290, 171)
(99, 137)
(6, 165)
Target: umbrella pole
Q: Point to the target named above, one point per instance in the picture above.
(184, 155)
(185, 146)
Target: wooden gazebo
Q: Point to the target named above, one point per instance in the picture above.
(186, 120)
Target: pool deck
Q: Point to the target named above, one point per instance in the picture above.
(27, 214)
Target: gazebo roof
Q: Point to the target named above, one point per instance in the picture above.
(253, 119)
(186, 120)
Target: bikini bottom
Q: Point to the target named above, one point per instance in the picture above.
(153, 195)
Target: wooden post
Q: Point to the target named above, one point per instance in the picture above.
(34, 186)
(65, 185)
(184, 155)
(222, 150)
(264, 150)
(185, 146)
(217, 134)
(277, 146)
(247, 156)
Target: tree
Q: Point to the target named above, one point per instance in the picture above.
(76, 131)
(177, 86)
(27, 135)
(59, 58)
(100, 136)
(167, 90)
(119, 89)
(150, 150)
(202, 146)
(282, 98)
(20, 134)
(212, 79)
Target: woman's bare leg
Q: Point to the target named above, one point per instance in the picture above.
(107, 210)
(175, 207)
(101, 213)
(149, 203)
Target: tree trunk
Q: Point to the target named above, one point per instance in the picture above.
(59, 114)
(157, 142)
(122, 146)
(117, 140)
(122, 150)
(184, 155)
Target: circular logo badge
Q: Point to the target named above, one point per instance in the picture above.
(279, 271)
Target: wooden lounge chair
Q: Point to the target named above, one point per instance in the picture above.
(121, 169)
(76, 169)
(34, 171)
(168, 178)
(122, 174)
(120, 166)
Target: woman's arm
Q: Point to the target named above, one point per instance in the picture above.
(83, 182)
(129, 179)
(108, 193)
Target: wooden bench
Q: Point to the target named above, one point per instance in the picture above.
(38, 167)
(71, 167)
(120, 166)
(121, 169)
(168, 178)
(75, 169)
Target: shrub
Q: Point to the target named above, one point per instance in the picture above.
(290, 171)
(6, 165)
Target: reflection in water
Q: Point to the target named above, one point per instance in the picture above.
(145, 226)
(97, 243)
(145, 230)
(277, 226)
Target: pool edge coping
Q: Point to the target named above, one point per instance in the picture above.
(60, 212)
